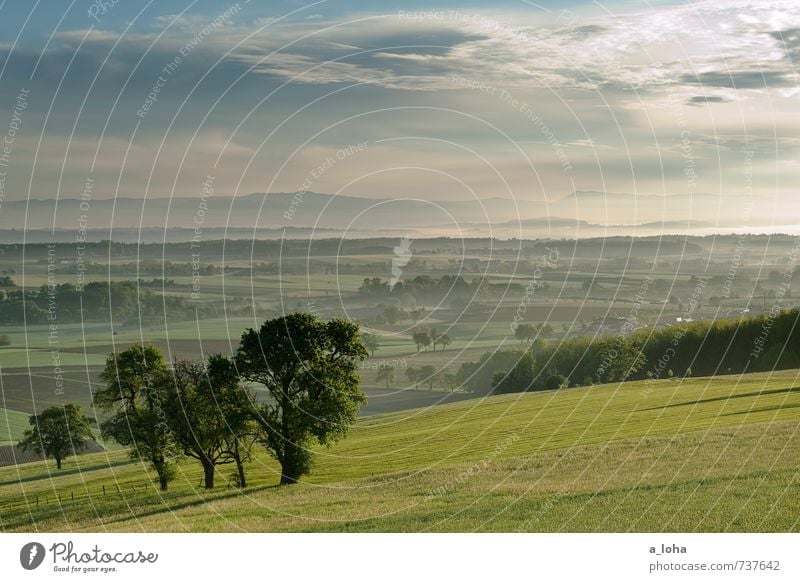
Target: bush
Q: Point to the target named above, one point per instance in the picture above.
(5, 340)
(555, 381)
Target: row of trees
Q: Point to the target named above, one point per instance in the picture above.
(306, 369)
(424, 337)
(96, 301)
(431, 288)
(767, 342)
(426, 374)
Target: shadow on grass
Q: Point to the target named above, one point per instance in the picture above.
(762, 409)
(126, 509)
(54, 473)
(795, 390)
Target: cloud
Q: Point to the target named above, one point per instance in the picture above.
(740, 79)
(704, 99)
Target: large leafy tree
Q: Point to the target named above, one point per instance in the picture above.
(208, 412)
(310, 369)
(137, 381)
(59, 431)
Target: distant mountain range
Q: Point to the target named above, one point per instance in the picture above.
(259, 215)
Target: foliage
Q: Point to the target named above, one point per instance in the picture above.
(207, 410)
(386, 374)
(371, 342)
(519, 378)
(767, 342)
(59, 431)
(309, 367)
(97, 301)
(137, 383)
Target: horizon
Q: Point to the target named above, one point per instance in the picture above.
(452, 102)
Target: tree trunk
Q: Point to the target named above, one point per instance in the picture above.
(58, 463)
(163, 477)
(291, 463)
(208, 473)
(240, 469)
(289, 474)
(237, 457)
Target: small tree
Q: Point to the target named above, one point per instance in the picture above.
(5, 340)
(413, 375)
(309, 367)
(443, 340)
(421, 337)
(448, 381)
(59, 431)
(386, 374)
(392, 314)
(371, 342)
(427, 374)
(524, 332)
(433, 336)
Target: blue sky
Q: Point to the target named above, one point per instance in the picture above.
(454, 99)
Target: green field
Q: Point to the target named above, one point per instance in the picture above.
(704, 454)
(12, 425)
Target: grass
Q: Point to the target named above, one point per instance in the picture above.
(12, 425)
(705, 454)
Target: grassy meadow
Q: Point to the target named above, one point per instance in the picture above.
(704, 454)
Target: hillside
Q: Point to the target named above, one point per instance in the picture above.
(705, 454)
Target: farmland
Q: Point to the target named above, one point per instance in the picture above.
(704, 454)
(626, 456)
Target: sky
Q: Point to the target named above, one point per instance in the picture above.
(435, 100)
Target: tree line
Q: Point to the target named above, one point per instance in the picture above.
(96, 301)
(305, 369)
(766, 342)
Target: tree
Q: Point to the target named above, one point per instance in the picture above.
(621, 359)
(309, 367)
(392, 314)
(371, 342)
(443, 340)
(448, 381)
(427, 374)
(59, 431)
(433, 336)
(386, 374)
(524, 332)
(421, 337)
(413, 375)
(555, 381)
(137, 382)
(518, 379)
(208, 411)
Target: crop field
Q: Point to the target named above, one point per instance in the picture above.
(702, 454)
(12, 425)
